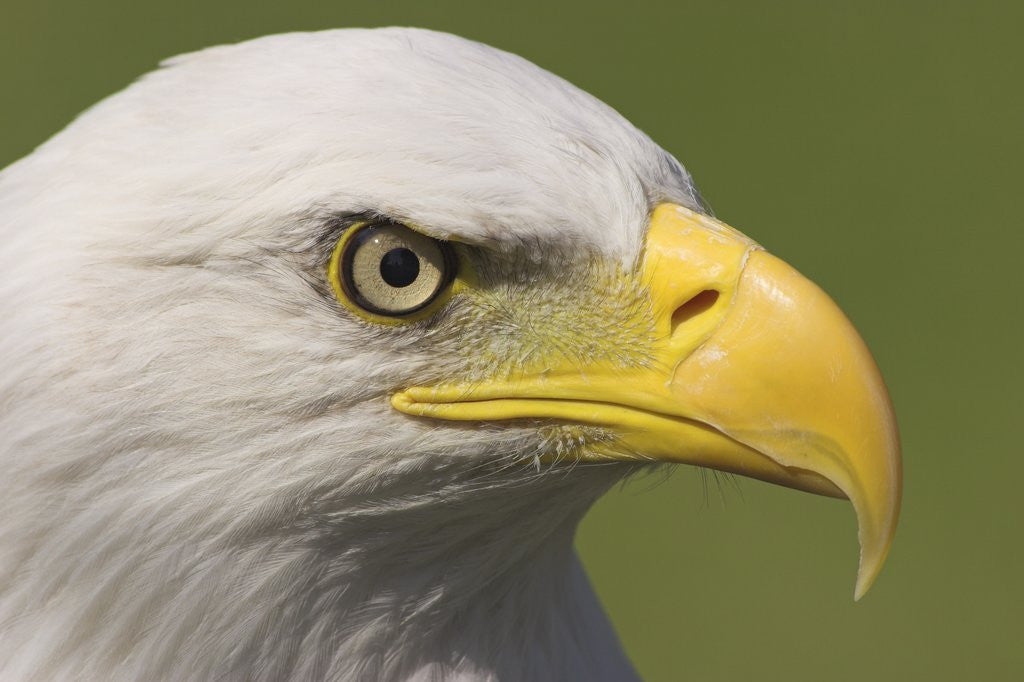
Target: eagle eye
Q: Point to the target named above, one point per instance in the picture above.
(390, 270)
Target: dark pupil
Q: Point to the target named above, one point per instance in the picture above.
(399, 267)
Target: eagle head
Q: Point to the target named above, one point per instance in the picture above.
(318, 347)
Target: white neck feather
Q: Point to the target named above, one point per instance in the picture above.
(475, 581)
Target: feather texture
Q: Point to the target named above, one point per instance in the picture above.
(203, 478)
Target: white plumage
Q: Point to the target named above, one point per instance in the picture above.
(202, 476)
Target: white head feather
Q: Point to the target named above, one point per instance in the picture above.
(202, 475)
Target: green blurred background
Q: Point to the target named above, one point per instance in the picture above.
(876, 146)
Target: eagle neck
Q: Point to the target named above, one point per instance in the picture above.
(479, 583)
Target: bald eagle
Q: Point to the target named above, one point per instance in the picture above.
(318, 347)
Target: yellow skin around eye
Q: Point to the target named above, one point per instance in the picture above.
(463, 278)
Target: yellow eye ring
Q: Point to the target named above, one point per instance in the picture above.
(390, 274)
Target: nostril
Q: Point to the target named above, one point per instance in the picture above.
(694, 307)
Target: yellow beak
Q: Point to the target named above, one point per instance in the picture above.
(752, 369)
